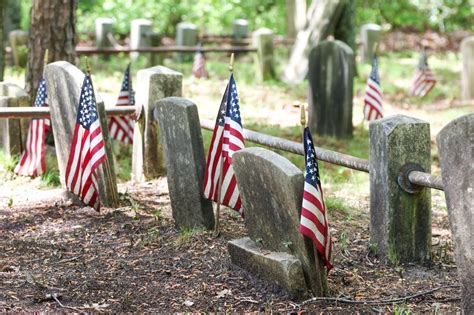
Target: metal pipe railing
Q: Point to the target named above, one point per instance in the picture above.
(44, 112)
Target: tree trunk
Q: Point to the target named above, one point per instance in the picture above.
(2, 38)
(53, 28)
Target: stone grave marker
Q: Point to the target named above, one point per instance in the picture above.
(331, 81)
(186, 35)
(369, 36)
(10, 139)
(140, 35)
(18, 42)
(456, 150)
(102, 27)
(152, 85)
(64, 81)
(240, 29)
(271, 189)
(264, 60)
(467, 72)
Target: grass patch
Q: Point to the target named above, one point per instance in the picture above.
(187, 235)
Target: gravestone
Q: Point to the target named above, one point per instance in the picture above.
(140, 35)
(369, 37)
(264, 60)
(271, 188)
(181, 137)
(18, 42)
(296, 16)
(102, 27)
(152, 85)
(400, 222)
(186, 35)
(10, 139)
(240, 29)
(64, 81)
(455, 145)
(22, 100)
(467, 75)
(331, 89)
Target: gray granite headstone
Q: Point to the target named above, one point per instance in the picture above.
(64, 81)
(153, 84)
(400, 222)
(264, 59)
(140, 35)
(456, 151)
(271, 188)
(181, 137)
(331, 89)
(102, 27)
(369, 36)
(467, 76)
(18, 42)
(240, 29)
(186, 35)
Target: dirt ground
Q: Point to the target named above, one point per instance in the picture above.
(133, 259)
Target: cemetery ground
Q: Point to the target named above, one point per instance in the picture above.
(134, 259)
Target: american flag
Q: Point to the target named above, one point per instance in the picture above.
(32, 162)
(424, 79)
(87, 149)
(121, 127)
(199, 66)
(373, 95)
(314, 222)
(227, 138)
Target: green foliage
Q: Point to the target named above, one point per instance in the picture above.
(51, 178)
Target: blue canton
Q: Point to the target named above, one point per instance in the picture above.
(233, 110)
(127, 86)
(374, 74)
(41, 94)
(87, 111)
(222, 109)
(312, 169)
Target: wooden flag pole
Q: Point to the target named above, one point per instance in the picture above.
(221, 167)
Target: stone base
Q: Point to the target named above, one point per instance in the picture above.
(282, 268)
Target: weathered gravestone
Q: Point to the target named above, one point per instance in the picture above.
(400, 222)
(369, 37)
(296, 16)
(140, 35)
(103, 26)
(263, 41)
(181, 137)
(153, 84)
(240, 29)
(186, 35)
(63, 82)
(456, 151)
(18, 41)
(271, 188)
(331, 80)
(467, 76)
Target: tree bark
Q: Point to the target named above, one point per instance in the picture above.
(53, 28)
(2, 38)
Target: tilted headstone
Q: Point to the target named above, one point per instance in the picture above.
(455, 145)
(10, 139)
(103, 26)
(296, 16)
(400, 222)
(63, 82)
(22, 100)
(467, 76)
(271, 188)
(331, 89)
(186, 35)
(18, 42)
(264, 60)
(369, 37)
(140, 35)
(153, 84)
(181, 137)
(240, 29)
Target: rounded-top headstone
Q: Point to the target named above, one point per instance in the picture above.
(102, 27)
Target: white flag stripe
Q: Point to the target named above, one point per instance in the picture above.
(312, 227)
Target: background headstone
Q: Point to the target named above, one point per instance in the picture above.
(467, 72)
(10, 139)
(18, 42)
(181, 137)
(140, 35)
(264, 60)
(22, 100)
(400, 222)
(240, 29)
(64, 81)
(296, 16)
(102, 27)
(331, 89)
(272, 198)
(455, 145)
(152, 85)
(369, 37)
(186, 35)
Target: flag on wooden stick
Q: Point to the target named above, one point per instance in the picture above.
(423, 79)
(87, 149)
(199, 66)
(121, 127)
(314, 222)
(373, 95)
(227, 138)
(32, 161)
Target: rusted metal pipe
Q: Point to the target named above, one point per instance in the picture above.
(164, 49)
(425, 179)
(44, 112)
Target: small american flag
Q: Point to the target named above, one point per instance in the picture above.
(87, 149)
(424, 79)
(121, 127)
(373, 95)
(199, 66)
(227, 138)
(32, 162)
(314, 222)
